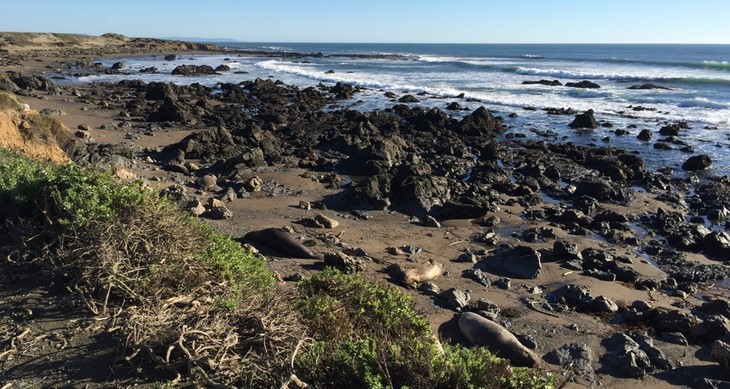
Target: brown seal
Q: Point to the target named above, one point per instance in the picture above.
(278, 239)
(427, 271)
(481, 331)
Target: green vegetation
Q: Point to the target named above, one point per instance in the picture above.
(371, 337)
(188, 299)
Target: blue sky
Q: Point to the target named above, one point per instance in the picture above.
(397, 21)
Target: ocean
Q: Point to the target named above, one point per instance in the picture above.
(694, 81)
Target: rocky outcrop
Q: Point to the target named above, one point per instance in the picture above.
(584, 120)
(193, 70)
(582, 84)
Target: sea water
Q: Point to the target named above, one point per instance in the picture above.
(695, 81)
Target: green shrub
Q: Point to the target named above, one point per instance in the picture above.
(371, 337)
(66, 195)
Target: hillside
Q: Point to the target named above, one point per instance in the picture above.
(17, 42)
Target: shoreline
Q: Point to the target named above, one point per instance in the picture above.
(290, 177)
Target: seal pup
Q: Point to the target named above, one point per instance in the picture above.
(279, 240)
(481, 331)
(427, 271)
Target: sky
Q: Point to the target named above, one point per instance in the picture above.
(378, 21)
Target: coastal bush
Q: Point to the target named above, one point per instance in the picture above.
(8, 100)
(184, 297)
(367, 336)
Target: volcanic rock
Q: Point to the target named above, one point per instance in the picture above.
(584, 120)
(697, 162)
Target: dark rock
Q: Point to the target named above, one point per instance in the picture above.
(648, 86)
(604, 304)
(674, 321)
(674, 338)
(343, 91)
(344, 262)
(408, 99)
(603, 191)
(656, 356)
(564, 249)
(118, 65)
(193, 70)
(170, 57)
(172, 110)
(503, 283)
(600, 274)
(721, 353)
(583, 84)
(717, 244)
(710, 329)
(645, 135)
(573, 295)
(560, 111)
(697, 162)
(521, 262)
(454, 106)
(480, 123)
(478, 276)
(584, 120)
(577, 357)
(456, 298)
(670, 130)
(429, 288)
(543, 82)
(625, 354)
(222, 68)
(218, 213)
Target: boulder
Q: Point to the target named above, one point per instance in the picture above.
(697, 162)
(645, 135)
(456, 298)
(584, 120)
(710, 329)
(480, 123)
(670, 130)
(408, 99)
(170, 57)
(193, 70)
(656, 355)
(344, 262)
(343, 91)
(674, 321)
(717, 244)
(573, 295)
(520, 262)
(222, 68)
(583, 84)
(625, 354)
(721, 353)
(563, 249)
(577, 357)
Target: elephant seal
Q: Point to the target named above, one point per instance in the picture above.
(278, 239)
(427, 271)
(481, 331)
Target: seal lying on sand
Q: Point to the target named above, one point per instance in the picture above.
(278, 239)
(427, 271)
(481, 331)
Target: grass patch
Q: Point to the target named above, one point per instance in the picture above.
(8, 100)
